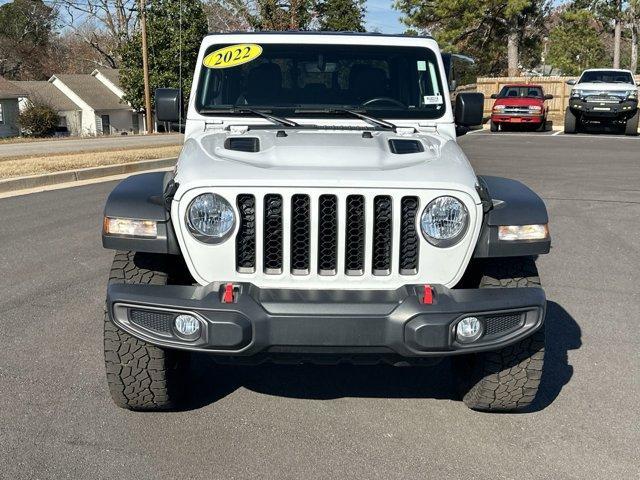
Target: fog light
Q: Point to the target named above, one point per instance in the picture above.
(468, 329)
(187, 325)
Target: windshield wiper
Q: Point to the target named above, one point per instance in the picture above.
(277, 120)
(378, 122)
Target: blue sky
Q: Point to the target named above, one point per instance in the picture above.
(382, 16)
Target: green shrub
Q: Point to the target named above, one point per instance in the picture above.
(38, 120)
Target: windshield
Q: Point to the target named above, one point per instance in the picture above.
(606, 76)
(523, 91)
(397, 82)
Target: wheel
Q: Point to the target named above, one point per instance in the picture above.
(631, 128)
(494, 127)
(542, 127)
(142, 376)
(505, 380)
(571, 122)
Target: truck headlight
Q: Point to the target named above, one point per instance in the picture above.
(210, 218)
(576, 93)
(444, 221)
(632, 95)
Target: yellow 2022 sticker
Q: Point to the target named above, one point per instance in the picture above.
(232, 56)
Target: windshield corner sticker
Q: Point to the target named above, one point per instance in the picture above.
(232, 56)
(432, 99)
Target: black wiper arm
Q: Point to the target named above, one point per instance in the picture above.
(378, 122)
(278, 120)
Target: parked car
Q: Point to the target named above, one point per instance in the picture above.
(321, 210)
(603, 96)
(520, 104)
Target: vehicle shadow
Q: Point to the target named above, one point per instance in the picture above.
(211, 382)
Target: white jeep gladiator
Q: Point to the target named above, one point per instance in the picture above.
(605, 97)
(322, 211)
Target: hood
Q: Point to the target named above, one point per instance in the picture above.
(605, 87)
(519, 101)
(331, 158)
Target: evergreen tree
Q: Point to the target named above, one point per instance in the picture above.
(341, 15)
(575, 43)
(169, 46)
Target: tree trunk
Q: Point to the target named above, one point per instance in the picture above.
(513, 56)
(617, 35)
(634, 48)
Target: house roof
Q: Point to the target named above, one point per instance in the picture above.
(48, 93)
(111, 74)
(9, 90)
(93, 92)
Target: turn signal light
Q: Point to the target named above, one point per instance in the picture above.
(523, 232)
(130, 227)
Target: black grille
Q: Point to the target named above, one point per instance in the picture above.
(382, 235)
(354, 235)
(273, 234)
(155, 321)
(246, 238)
(300, 234)
(409, 241)
(496, 324)
(327, 234)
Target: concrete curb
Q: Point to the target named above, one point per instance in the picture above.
(35, 181)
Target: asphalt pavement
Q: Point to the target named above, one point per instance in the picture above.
(57, 419)
(88, 144)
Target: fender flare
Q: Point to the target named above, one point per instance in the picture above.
(509, 202)
(143, 197)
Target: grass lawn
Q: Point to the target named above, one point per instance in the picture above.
(20, 167)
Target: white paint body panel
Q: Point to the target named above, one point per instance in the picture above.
(317, 162)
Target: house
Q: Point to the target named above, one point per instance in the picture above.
(69, 113)
(9, 95)
(100, 98)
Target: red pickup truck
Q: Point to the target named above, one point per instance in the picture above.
(521, 104)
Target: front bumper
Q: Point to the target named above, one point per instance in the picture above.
(624, 109)
(271, 322)
(517, 118)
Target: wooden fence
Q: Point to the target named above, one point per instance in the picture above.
(555, 86)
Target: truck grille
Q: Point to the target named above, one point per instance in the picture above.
(365, 226)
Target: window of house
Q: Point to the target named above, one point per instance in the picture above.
(1, 115)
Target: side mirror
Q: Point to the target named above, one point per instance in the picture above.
(548, 97)
(572, 82)
(168, 104)
(469, 109)
(494, 95)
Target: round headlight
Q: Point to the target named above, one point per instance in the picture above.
(444, 221)
(210, 218)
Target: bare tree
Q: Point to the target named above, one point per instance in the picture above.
(227, 15)
(633, 16)
(104, 25)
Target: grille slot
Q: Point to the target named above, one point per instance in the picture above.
(382, 235)
(499, 324)
(150, 320)
(300, 234)
(246, 238)
(354, 235)
(327, 235)
(409, 240)
(273, 234)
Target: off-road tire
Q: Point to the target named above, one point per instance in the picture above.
(494, 127)
(571, 122)
(631, 127)
(142, 376)
(505, 380)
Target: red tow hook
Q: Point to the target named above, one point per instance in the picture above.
(227, 295)
(427, 295)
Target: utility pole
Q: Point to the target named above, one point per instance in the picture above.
(145, 69)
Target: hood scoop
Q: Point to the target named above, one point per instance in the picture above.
(243, 144)
(404, 146)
